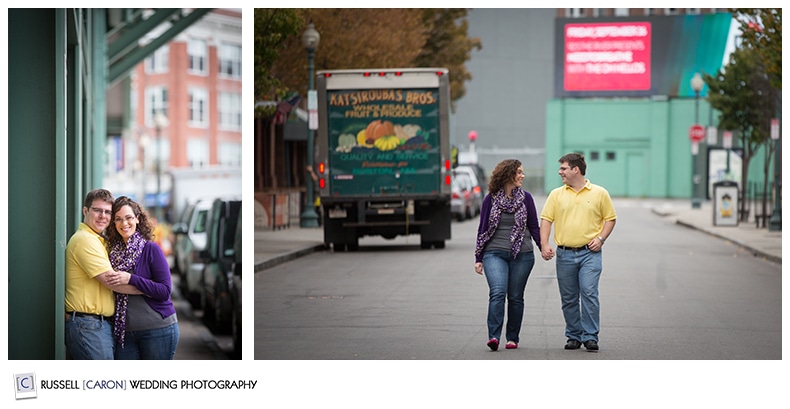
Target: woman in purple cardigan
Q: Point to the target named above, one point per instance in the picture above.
(505, 251)
(146, 325)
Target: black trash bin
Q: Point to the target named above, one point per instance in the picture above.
(725, 203)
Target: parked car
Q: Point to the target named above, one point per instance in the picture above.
(190, 240)
(479, 182)
(235, 293)
(461, 196)
(220, 255)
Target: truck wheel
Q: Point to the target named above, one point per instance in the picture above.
(338, 247)
(353, 246)
(439, 244)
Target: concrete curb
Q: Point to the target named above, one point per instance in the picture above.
(274, 261)
(756, 252)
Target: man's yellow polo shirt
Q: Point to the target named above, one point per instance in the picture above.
(578, 217)
(86, 257)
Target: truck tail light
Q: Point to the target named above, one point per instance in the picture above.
(447, 165)
(447, 180)
(321, 183)
(321, 167)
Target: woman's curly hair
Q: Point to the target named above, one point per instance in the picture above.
(503, 173)
(144, 225)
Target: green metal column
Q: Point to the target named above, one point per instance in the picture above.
(36, 205)
(97, 136)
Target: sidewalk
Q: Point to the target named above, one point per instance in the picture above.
(273, 247)
(760, 242)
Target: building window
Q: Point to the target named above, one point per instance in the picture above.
(693, 11)
(198, 107)
(671, 12)
(574, 13)
(157, 62)
(196, 49)
(230, 154)
(230, 60)
(230, 111)
(610, 156)
(155, 101)
(197, 153)
(621, 12)
(651, 12)
(594, 155)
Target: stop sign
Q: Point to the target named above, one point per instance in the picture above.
(696, 133)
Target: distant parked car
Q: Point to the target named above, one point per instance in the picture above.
(461, 197)
(479, 180)
(216, 300)
(190, 240)
(476, 191)
(235, 293)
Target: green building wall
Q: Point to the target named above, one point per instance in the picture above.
(642, 145)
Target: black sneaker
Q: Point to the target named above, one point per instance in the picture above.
(591, 345)
(573, 344)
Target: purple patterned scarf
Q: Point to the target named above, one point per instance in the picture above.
(502, 203)
(123, 257)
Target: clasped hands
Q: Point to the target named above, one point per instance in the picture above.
(117, 278)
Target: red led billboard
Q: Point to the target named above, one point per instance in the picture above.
(607, 56)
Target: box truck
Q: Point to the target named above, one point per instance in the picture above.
(383, 155)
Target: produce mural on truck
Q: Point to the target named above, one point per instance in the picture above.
(383, 132)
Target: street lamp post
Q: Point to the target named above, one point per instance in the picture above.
(775, 223)
(160, 121)
(696, 84)
(310, 39)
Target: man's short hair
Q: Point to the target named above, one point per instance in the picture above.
(575, 160)
(100, 194)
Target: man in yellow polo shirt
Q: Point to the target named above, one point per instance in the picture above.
(90, 281)
(583, 216)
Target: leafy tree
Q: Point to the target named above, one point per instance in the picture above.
(448, 46)
(762, 31)
(380, 38)
(742, 92)
(351, 38)
(272, 28)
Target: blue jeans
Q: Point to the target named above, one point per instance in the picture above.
(89, 337)
(157, 343)
(578, 273)
(506, 276)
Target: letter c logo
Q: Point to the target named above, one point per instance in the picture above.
(23, 381)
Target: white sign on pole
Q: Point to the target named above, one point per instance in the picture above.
(774, 129)
(312, 122)
(727, 139)
(312, 100)
(712, 135)
(694, 148)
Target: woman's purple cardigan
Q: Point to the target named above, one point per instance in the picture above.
(532, 221)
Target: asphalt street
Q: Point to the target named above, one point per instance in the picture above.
(667, 293)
